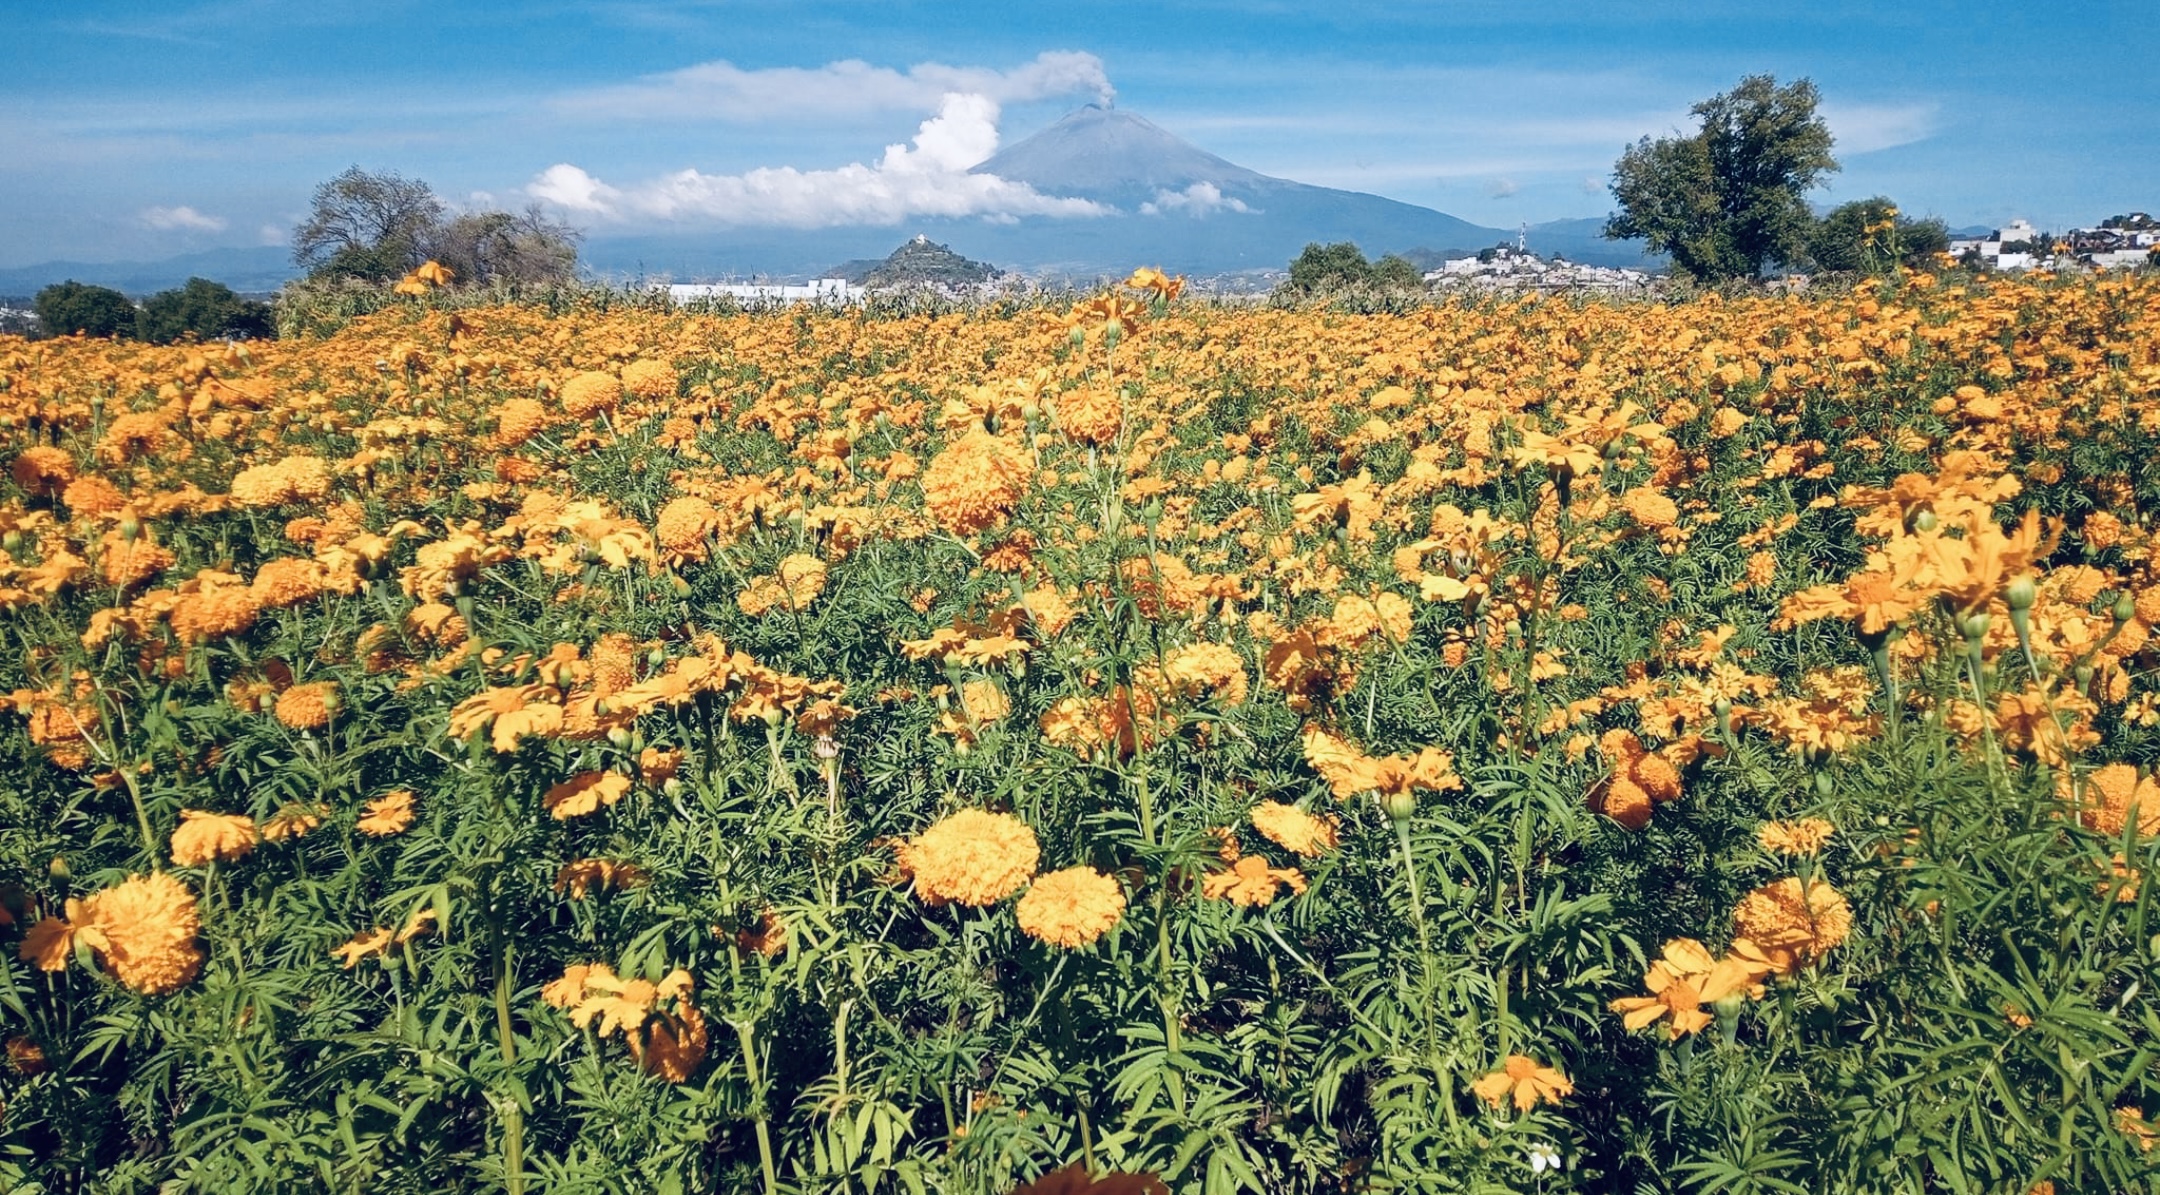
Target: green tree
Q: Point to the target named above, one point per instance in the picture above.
(66, 308)
(205, 309)
(1396, 272)
(1728, 201)
(1870, 236)
(373, 226)
(1342, 266)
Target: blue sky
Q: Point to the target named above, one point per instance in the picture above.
(141, 130)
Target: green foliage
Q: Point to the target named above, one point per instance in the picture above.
(1325, 269)
(1729, 200)
(66, 308)
(205, 310)
(1870, 236)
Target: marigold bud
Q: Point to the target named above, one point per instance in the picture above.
(2021, 592)
(1400, 805)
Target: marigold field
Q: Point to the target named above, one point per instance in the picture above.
(1700, 745)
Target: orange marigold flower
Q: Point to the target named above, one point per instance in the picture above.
(1070, 907)
(143, 931)
(2115, 796)
(1803, 837)
(92, 496)
(1650, 508)
(591, 393)
(768, 937)
(1295, 830)
(1250, 881)
(972, 857)
(205, 837)
(390, 813)
(1785, 916)
(581, 876)
(518, 420)
(1527, 1082)
(292, 820)
(213, 612)
(289, 581)
(585, 793)
(309, 706)
(975, 482)
(684, 526)
(43, 471)
(650, 380)
(1675, 982)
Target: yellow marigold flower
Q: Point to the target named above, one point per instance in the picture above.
(292, 820)
(591, 393)
(309, 706)
(43, 471)
(92, 496)
(684, 526)
(585, 793)
(390, 813)
(975, 482)
(213, 612)
(650, 380)
(984, 701)
(1784, 916)
(1528, 1083)
(1649, 508)
(362, 946)
(1070, 907)
(289, 581)
(143, 930)
(294, 479)
(580, 876)
(2131, 1122)
(793, 586)
(972, 857)
(1803, 837)
(2114, 796)
(205, 837)
(768, 937)
(1250, 881)
(1295, 830)
(673, 1044)
(1090, 414)
(518, 420)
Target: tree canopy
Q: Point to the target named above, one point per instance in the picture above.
(65, 308)
(1729, 200)
(1342, 265)
(206, 310)
(1870, 236)
(379, 225)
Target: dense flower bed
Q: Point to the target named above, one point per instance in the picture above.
(1692, 746)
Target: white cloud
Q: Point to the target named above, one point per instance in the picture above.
(1198, 199)
(725, 92)
(1501, 188)
(273, 234)
(929, 178)
(1592, 185)
(1865, 128)
(181, 219)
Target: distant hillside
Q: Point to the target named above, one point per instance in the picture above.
(249, 271)
(919, 262)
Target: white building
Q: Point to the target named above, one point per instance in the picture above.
(830, 292)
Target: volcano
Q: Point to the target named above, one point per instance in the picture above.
(1171, 204)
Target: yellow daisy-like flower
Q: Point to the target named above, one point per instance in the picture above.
(390, 813)
(1070, 907)
(1523, 1079)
